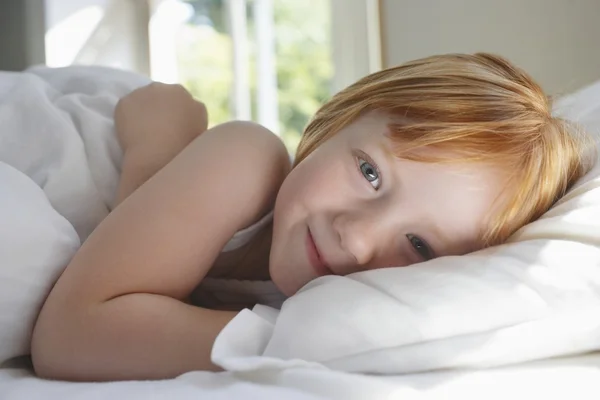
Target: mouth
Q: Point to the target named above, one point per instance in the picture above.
(315, 258)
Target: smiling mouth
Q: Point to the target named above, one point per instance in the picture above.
(315, 258)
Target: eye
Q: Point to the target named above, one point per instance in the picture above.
(420, 246)
(370, 172)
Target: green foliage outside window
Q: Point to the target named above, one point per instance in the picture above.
(303, 57)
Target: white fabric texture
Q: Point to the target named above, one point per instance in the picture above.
(569, 378)
(34, 245)
(534, 298)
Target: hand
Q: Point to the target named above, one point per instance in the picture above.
(159, 119)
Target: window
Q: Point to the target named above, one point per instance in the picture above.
(271, 61)
(261, 60)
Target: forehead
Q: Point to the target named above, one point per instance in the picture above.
(372, 125)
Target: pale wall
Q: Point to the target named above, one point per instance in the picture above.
(557, 41)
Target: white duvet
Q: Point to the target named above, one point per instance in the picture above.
(535, 298)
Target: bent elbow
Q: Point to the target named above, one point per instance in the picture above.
(52, 352)
(47, 357)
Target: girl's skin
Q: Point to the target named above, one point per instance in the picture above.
(119, 310)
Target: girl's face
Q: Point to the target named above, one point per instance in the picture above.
(351, 206)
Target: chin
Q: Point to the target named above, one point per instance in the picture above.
(285, 286)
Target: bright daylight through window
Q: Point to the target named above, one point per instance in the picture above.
(268, 61)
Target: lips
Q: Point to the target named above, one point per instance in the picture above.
(315, 258)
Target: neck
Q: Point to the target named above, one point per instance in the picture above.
(254, 264)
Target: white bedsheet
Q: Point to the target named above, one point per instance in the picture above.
(569, 378)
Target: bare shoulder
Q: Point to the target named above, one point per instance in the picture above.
(255, 140)
(256, 162)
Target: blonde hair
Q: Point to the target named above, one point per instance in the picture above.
(479, 107)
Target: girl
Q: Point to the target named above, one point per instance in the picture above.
(440, 156)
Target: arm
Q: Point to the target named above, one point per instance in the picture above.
(116, 312)
(154, 124)
(139, 165)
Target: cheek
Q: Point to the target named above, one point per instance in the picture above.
(290, 206)
(289, 197)
(316, 187)
(306, 183)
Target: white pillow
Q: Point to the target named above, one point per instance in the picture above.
(536, 297)
(36, 243)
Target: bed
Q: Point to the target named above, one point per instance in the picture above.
(575, 377)
(518, 321)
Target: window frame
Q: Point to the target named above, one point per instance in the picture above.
(356, 40)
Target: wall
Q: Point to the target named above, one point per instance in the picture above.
(103, 32)
(557, 41)
(21, 34)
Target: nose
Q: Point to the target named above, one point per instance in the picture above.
(361, 234)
